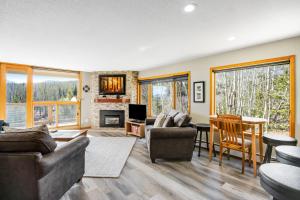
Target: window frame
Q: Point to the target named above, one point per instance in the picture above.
(29, 70)
(292, 77)
(165, 76)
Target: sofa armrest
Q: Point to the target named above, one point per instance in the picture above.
(63, 154)
(172, 132)
(150, 121)
(18, 175)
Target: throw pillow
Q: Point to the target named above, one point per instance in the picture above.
(159, 120)
(30, 141)
(173, 113)
(42, 128)
(182, 119)
(169, 122)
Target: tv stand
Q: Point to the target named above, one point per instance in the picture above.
(137, 121)
(135, 128)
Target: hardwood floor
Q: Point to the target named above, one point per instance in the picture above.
(198, 179)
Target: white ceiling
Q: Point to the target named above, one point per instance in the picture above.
(91, 35)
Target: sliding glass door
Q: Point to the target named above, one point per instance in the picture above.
(16, 92)
(33, 96)
(55, 98)
(16, 98)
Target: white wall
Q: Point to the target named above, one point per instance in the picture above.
(200, 70)
(86, 101)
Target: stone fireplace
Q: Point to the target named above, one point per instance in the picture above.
(110, 102)
(112, 118)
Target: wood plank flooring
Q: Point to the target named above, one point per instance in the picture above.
(166, 180)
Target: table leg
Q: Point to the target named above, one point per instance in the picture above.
(260, 143)
(211, 139)
(253, 137)
(200, 142)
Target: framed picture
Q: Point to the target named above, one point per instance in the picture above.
(199, 92)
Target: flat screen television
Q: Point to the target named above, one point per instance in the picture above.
(112, 84)
(137, 112)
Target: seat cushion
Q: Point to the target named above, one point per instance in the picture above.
(277, 139)
(280, 180)
(288, 155)
(30, 141)
(42, 128)
(246, 141)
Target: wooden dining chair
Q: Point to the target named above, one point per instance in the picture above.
(232, 137)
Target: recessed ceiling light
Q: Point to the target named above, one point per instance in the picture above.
(190, 7)
(231, 38)
(144, 48)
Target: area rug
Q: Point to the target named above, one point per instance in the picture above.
(106, 156)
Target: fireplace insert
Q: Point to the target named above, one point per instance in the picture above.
(112, 118)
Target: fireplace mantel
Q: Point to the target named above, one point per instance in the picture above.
(112, 100)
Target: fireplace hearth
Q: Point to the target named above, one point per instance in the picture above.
(112, 118)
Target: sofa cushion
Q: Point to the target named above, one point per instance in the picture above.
(29, 141)
(42, 128)
(169, 122)
(182, 120)
(173, 113)
(159, 120)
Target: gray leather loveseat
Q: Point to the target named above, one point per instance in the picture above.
(169, 142)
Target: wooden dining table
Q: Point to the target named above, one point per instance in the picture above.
(249, 123)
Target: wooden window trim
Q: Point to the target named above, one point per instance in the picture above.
(290, 58)
(151, 78)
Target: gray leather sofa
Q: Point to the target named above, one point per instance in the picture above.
(170, 142)
(37, 176)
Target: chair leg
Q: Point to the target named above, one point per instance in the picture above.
(195, 140)
(268, 154)
(249, 156)
(221, 154)
(153, 160)
(200, 141)
(243, 162)
(214, 150)
(228, 153)
(207, 144)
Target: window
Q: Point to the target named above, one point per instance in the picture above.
(263, 90)
(144, 93)
(54, 86)
(162, 97)
(55, 98)
(32, 96)
(182, 98)
(163, 93)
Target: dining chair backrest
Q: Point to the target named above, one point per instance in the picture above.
(230, 128)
